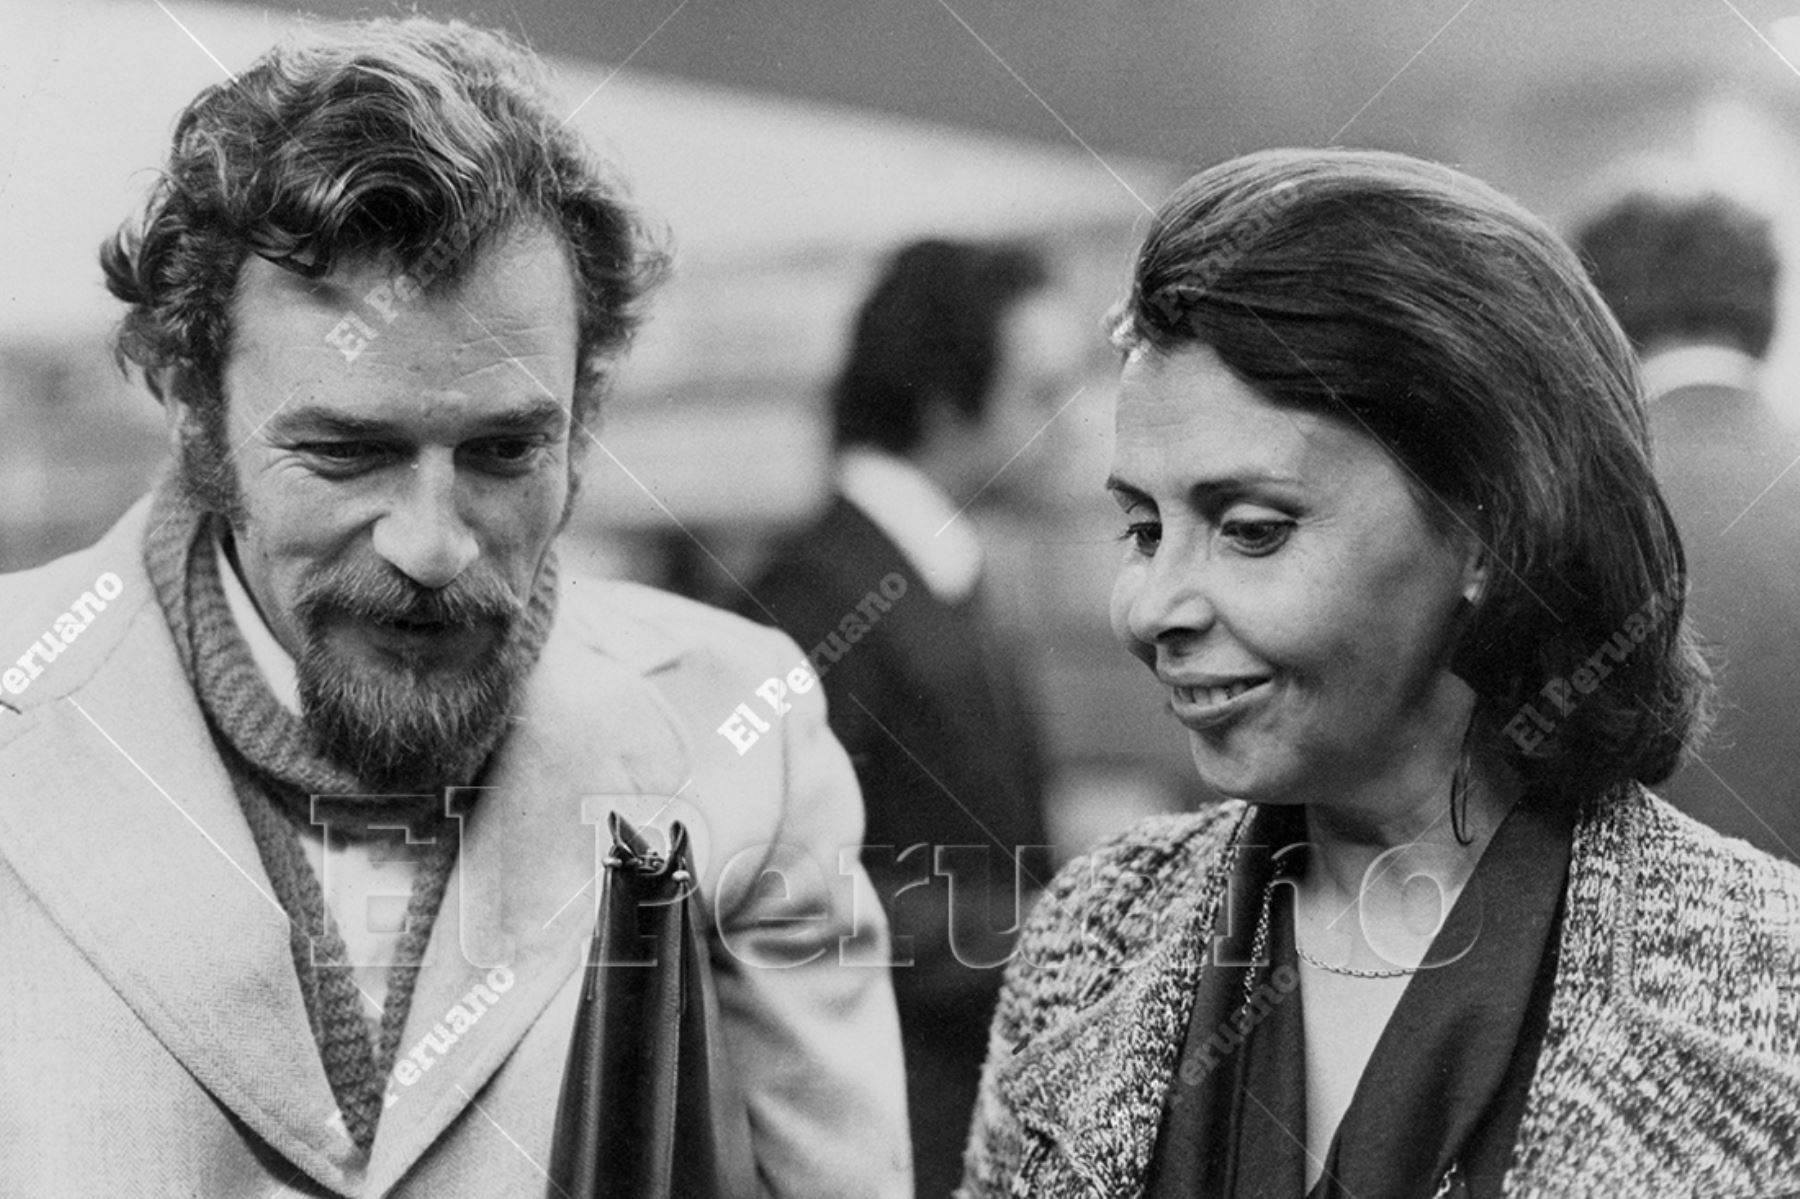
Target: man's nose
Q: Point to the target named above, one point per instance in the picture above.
(422, 534)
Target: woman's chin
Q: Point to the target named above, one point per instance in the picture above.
(1236, 774)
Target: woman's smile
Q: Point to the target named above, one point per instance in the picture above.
(1211, 703)
(1287, 584)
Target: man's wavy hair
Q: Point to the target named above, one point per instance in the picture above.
(1425, 310)
(412, 143)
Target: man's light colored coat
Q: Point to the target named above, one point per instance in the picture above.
(153, 1040)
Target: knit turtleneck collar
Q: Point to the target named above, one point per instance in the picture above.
(218, 661)
(279, 773)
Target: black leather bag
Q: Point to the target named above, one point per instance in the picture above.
(648, 1110)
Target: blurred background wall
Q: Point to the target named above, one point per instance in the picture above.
(786, 145)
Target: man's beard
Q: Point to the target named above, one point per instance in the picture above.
(398, 727)
(402, 726)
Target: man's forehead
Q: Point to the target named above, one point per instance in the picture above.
(493, 266)
(365, 337)
(355, 415)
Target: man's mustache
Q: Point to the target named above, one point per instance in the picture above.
(378, 594)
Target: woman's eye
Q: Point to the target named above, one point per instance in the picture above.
(1143, 536)
(1257, 537)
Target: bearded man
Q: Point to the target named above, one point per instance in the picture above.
(305, 766)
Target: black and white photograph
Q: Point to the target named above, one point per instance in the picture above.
(947, 599)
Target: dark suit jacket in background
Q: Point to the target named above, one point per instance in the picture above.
(930, 704)
(1719, 448)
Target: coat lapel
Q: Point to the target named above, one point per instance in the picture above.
(1092, 1088)
(1678, 1111)
(591, 736)
(121, 820)
(1622, 1090)
(1619, 1086)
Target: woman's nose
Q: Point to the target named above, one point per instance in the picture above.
(1162, 598)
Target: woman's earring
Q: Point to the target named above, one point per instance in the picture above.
(1459, 791)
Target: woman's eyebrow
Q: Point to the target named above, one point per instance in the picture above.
(1124, 490)
(1210, 490)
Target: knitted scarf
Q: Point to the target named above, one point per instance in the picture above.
(277, 771)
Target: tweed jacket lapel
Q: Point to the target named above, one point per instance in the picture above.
(1634, 1075)
(1669, 1057)
(120, 819)
(1092, 1088)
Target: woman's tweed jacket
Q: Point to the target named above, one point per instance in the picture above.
(1671, 1065)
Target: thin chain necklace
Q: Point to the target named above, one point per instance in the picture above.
(1352, 971)
(1452, 1182)
(1259, 948)
(1259, 945)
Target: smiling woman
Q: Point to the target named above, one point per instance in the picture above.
(1292, 691)
(1383, 464)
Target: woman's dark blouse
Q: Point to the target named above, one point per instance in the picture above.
(1446, 1084)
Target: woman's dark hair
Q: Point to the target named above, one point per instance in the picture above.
(412, 143)
(1425, 310)
(928, 331)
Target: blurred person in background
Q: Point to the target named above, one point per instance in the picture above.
(1395, 554)
(1692, 276)
(300, 765)
(959, 356)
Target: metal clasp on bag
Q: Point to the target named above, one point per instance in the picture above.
(646, 863)
(630, 851)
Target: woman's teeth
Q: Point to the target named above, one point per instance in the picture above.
(1212, 697)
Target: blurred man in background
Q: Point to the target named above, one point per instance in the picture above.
(1692, 276)
(960, 356)
(303, 765)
